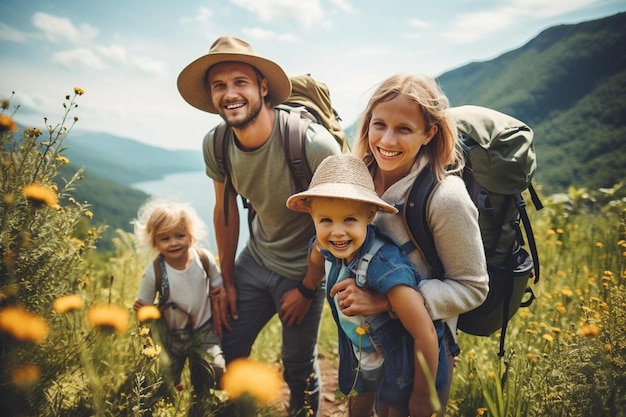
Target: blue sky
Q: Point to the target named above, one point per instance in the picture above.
(126, 55)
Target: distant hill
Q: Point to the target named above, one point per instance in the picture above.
(125, 160)
(569, 85)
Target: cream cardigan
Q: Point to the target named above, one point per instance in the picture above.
(453, 220)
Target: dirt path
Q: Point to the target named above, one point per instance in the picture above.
(329, 406)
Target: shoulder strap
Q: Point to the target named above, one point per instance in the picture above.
(414, 212)
(220, 145)
(161, 282)
(294, 128)
(205, 260)
(361, 268)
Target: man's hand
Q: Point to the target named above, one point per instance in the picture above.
(355, 301)
(219, 310)
(231, 303)
(293, 308)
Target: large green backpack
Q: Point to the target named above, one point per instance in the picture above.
(309, 102)
(500, 163)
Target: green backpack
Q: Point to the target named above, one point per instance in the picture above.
(309, 102)
(500, 163)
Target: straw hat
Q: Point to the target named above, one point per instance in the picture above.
(340, 176)
(192, 80)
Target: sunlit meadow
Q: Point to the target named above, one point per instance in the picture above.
(71, 346)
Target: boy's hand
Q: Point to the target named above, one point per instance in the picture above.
(420, 404)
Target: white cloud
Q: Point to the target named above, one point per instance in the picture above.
(81, 57)
(59, 29)
(309, 13)
(7, 33)
(343, 5)
(115, 53)
(150, 65)
(264, 34)
(481, 24)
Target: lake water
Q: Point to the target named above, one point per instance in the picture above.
(196, 189)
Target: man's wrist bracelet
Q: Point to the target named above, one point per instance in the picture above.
(306, 293)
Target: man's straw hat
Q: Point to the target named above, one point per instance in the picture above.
(340, 176)
(192, 80)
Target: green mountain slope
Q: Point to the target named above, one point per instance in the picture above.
(127, 161)
(568, 84)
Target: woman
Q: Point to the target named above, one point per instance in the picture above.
(406, 128)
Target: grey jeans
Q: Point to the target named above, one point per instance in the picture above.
(259, 291)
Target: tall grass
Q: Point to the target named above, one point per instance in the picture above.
(69, 345)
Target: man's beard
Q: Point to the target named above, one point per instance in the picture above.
(254, 110)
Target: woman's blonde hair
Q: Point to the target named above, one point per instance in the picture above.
(158, 216)
(443, 150)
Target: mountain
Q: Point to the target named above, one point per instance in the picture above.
(127, 161)
(569, 85)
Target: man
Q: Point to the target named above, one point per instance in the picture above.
(270, 275)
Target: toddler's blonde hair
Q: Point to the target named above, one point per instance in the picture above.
(159, 216)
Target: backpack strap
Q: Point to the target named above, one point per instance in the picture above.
(204, 259)
(294, 126)
(161, 282)
(414, 212)
(360, 271)
(220, 145)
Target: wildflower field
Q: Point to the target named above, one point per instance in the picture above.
(71, 346)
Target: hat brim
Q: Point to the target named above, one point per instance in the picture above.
(192, 80)
(343, 191)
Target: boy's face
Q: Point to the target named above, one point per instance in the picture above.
(341, 225)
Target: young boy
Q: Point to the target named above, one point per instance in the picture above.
(377, 354)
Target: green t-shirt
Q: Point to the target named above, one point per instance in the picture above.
(280, 236)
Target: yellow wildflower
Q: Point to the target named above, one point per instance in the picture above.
(481, 411)
(531, 357)
(26, 375)
(109, 316)
(23, 325)
(68, 303)
(79, 91)
(259, 380)
(7, 124)
(147, 313)
(151, 351)
(471, 354)
(89, 214)
(599, 245)
(548, 337)
(559, 231)
(567, 292)
(608, 347)
(491, 375)
(589, 330)
(550, 232)
(39, 194)
(62, 159)
(33, 131)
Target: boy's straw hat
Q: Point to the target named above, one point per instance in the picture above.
(340, 176)
(192, 80)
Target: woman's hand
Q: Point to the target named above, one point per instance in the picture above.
(355, 301)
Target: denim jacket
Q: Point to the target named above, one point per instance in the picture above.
(388, 267)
